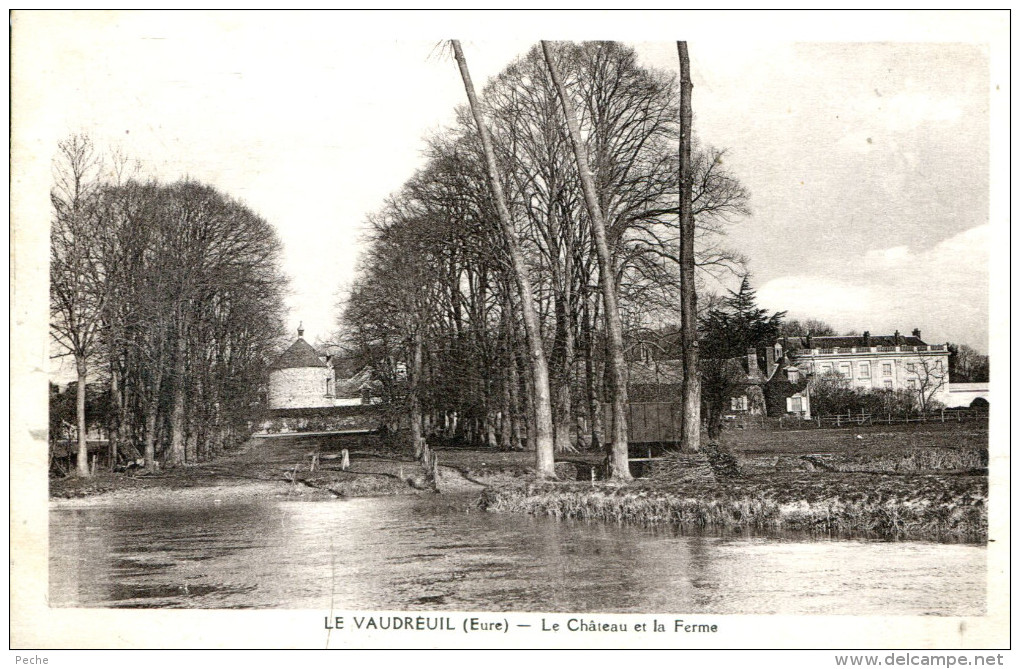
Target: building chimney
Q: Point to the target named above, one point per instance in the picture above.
(752, 362)
(301, 329)
(897, 338)
(867, 339)
(916, 333)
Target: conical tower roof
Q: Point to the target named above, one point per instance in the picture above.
(300, 354)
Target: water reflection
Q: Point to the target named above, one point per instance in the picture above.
(441, 553)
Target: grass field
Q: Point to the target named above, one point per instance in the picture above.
(909, 447)
(971, 434)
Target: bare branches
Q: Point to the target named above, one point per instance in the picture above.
(441, 260)
(175, 288)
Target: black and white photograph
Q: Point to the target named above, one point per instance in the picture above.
(638, 329)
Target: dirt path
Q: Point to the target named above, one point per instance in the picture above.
(452, 480)
(280, 467)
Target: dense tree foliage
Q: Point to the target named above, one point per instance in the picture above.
(832, 394)
(812, 326)
(437, 282)
(173, 295)
(728, 332)
(966, 365)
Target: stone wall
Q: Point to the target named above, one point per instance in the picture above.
(300, 387)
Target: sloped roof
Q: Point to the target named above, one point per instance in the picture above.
(783, 364)
(300, 354)
(353, 386)
(850, 342)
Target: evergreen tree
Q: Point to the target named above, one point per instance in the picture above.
(728, 332)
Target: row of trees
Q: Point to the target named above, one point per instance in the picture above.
(171, 295)
(966, 365)
(546, 223)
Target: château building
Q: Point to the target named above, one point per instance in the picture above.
(871, 362)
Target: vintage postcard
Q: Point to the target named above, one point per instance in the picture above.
(585, 330)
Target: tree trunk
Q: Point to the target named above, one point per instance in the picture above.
(151, 414)
(415, 389)
(618, 455)
(177, 437)
(690, 428)
(563, 351)
(515, 405)
(505, 429)
(83, 444)
(491, 419)
(116, 402)
(591, 381)
(544, 458)
(194, 418)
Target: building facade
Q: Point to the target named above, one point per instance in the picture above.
(870, 362)
(301, 378)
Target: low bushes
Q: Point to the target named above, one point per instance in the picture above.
(938, 508)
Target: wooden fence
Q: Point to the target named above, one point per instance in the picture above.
(647, 422)
(659, 422)
(849, 419)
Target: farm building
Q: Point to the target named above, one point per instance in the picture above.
(781, 389)
(961, 395)
(301, 378)
(778, 383)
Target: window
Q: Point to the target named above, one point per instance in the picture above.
(886, 369)
(738, 403)
(865, 372)
(911, 367)
(826, 367)
(844, 369)
(794, 404)
(888, 384)
(912, 384)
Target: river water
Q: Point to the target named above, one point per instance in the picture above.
(438, 552)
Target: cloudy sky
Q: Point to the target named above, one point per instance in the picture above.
(865, 144)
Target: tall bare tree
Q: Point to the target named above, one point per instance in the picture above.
(931, 376)
(690, 428)
(544, 447)
(618, 455)
(77, 292)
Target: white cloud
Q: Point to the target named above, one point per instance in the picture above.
(816, 295)
(942, 290)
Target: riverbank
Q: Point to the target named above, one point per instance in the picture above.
(292, 467)
(921, 507)
(904, 484)
(927, 484)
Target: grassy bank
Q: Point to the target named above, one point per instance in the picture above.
(918, 507)
(925, 483)
(375, 469)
